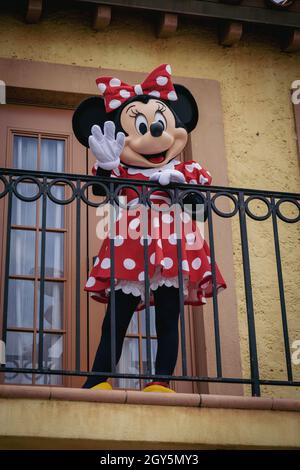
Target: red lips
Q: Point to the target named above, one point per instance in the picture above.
(156, 159)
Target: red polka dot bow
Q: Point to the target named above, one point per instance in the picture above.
(157, 84)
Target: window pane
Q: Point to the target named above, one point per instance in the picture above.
(53, 305)
(52, 155)
(133, 327)
(22, 252)
(25, 152)
(20, 303)
(54, 212)
(153, 356)
(54, 254)
(23, 212)
(129, 363)
(19, 354)
(52, 359)
(152, 321)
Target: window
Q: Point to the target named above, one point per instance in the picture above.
(45, 147)
(35, 152)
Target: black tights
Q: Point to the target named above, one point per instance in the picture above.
(166, 301)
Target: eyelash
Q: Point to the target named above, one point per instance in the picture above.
(135, 113)
(161, 108)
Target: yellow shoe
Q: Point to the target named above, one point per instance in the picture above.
(102, 386)
(158, 387)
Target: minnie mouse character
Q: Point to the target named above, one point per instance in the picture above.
(138, 132)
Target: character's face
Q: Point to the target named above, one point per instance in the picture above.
(153, 140)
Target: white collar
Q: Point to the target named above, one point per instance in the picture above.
(151, 171)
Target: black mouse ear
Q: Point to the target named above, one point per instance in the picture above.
(90, 111)
(185, 107)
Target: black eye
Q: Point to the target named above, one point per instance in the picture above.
(142, 128)
(141, 124)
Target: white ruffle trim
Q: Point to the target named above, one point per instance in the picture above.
(137, 288)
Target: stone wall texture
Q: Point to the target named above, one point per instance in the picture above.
(260, 136)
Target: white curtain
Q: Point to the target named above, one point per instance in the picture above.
(22, 256)
(129, 363)
(52, 160)
(19, 345)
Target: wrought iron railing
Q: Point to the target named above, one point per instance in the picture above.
(79, 189)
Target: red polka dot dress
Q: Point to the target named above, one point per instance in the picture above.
(162, 234)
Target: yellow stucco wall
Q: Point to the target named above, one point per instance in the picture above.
(260, 139)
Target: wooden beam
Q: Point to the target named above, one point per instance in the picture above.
(168, 25)
(211, 9)
(231, 2)
(291, 41)
(102, 17)
(34, 11)
(230, 33)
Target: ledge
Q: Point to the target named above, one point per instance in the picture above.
(61, 418)
(142, 398)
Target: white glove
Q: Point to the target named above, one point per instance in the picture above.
(165, 177)
(105, 146)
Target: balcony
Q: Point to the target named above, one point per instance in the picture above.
(77, 186)
(45, 372)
